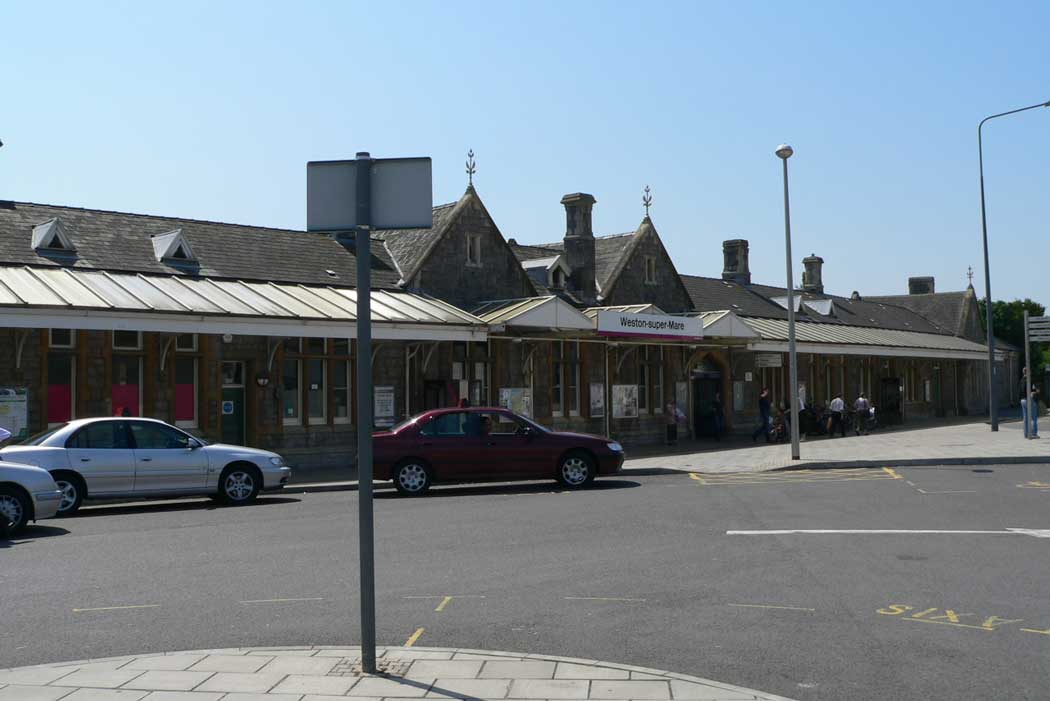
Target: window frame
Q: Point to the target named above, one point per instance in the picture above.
(135, 348)
(141, 362)
(296, 420)
(345, 362)
(193, 348)
(473, 250)
(650, 270)
(62, 346)
(323, 389)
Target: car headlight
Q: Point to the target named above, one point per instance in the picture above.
(277, 461)
(614, 447)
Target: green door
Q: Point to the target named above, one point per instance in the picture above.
(231, 413)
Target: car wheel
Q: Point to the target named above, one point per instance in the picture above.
(576, 470)
(239, 484)
(14, 509)
(412, 478)
(72, 488)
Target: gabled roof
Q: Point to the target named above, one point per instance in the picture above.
(946, 309)
(51, 236)
(711, 294)
(121, 242)
(548, 312)
(409, 247)
(173, 247)
(592, 312)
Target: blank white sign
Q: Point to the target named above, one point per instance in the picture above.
(401, 194)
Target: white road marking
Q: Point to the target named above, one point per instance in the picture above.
(278, 601)
(770, 606)
(1035, 533)
(118, 608)
(599, 598)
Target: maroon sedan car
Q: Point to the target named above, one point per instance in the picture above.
(479, 444)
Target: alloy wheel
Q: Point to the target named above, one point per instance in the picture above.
(412, 477)
(239, 485)
(11, 509)
(69, 495)
(575, 470)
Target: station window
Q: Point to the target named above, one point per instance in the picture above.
(292, 394)
(186, 342)
(186, 392)
(650, 270)
(62, 338)
(316, 380)
(565, 383)
(126, 388)
(127, 340)
(61, 387)
(474, 249)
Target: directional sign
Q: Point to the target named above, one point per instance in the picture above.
(401, 194)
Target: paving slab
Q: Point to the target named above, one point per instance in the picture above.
(324, 674)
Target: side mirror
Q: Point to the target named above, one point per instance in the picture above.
(193, 444)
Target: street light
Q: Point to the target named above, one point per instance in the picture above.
(993, 408)
(784, 152)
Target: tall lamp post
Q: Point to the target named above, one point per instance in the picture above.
(993, 405)
(784, 153)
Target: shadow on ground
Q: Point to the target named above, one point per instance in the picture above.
(188, 505)
(452, 490)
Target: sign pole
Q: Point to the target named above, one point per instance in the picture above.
(362, 244)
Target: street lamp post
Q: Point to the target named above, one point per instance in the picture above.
(784, 153)
(993, 407)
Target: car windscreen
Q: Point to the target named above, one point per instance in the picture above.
(39, 438)
(398, 426)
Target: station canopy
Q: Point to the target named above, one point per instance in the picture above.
(92, 299)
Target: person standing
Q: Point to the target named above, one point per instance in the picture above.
(1029, 414)
(672, 415)
(863, 409)
(716, 407)
(764, 407)
(838, 408)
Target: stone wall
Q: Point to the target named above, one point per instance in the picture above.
(630, 287)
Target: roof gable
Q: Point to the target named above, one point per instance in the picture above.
(172, 247)
(51, 236)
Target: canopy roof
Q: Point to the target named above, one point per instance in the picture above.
(549, 312)
(90, 299)
(858, 340)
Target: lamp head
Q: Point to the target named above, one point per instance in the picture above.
(784, 151)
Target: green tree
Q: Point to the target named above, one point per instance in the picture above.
(1008, 325)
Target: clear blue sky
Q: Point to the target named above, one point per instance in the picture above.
(211, 110)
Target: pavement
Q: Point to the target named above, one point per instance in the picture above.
(950, 443)
(323, 673)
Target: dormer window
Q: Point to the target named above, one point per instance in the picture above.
(51, 236)
(474, 249)
(650, 270)
(557, 279)
(172, 247)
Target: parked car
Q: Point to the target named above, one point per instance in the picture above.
(480, 444)
(129, 457)
(27, 494)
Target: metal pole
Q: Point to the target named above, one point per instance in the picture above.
(362, 244)
(792, 357)
(1029, 417)
(993, 405)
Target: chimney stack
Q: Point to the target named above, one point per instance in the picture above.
(735, 266)
(920, 286)
(579, 243)
(812, 279)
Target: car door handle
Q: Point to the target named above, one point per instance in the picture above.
(146, 459)
(85, 459)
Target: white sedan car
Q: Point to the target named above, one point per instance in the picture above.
(27, 494)
(129, 457)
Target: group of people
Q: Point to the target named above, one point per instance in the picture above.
(775, 427)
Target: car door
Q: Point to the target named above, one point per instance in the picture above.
(166, 459)
(449, 445)
(101, 452)
(504, 446)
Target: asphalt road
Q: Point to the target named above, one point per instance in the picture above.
(639, 570)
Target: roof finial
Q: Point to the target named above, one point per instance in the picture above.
(969, 274)
(471, 168)
(647, 201)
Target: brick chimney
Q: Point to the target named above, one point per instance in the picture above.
(735, 266)
(579, 243)
(812, 280)
(920, 286)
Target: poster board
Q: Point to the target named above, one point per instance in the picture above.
(769, 360)
(14, 411)
(625, 401)
(597, 400)
(517, 399)
(383, 405)
(738, 395)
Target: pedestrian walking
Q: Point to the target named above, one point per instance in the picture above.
(838, 410)
(716, 407)
(862, 407)
(1029, 414)
(764, 408)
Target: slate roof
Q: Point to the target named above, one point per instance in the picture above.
(120, 242)
(408, 247)
(946, 309)
(608, 250)
(711, 294)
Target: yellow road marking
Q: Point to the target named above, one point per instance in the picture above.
(698, 478)
(443, 604)
(118, 608)
(278, 601)
(414, 637)
(1035, 485)
(1034, 630)
(599, 598)
(945, 623)
(893, 473)
(769, 606)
